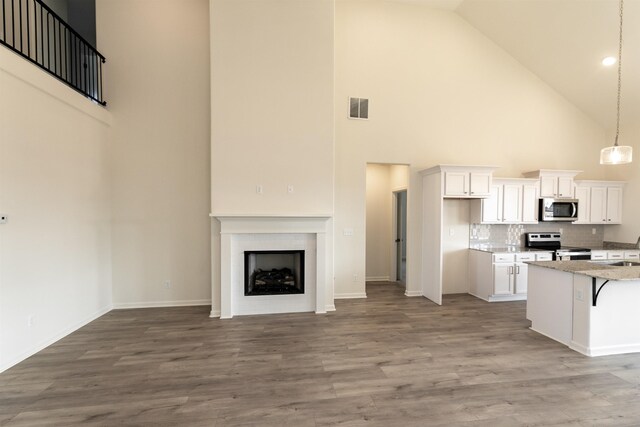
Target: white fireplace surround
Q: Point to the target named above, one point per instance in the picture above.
(246, 233)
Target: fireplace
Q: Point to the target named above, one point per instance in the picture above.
(233, 235)
(278, 272)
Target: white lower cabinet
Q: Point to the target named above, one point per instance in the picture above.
(501, 276)
(615, 255)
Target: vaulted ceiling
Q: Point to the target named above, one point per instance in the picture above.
(563, 42)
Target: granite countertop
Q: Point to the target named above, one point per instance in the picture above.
(592, 269)
(497, 249)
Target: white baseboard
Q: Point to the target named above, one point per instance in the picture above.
(604, 351)
(350, 295)
(153, 304)
(57, 337)
(412, 293)
(214, 313)
(330, 307)
(377, 279)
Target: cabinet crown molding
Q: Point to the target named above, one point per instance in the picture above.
(550, 172)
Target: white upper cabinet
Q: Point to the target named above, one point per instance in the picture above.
(511, 201)
(599, 202)
(464, 182)
(557, 184)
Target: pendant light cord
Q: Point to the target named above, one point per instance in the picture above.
(619, 75)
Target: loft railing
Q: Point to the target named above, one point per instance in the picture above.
(34, 31)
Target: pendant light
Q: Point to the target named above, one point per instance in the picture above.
(617, 154)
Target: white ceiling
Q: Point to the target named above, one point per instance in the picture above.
(563, 42)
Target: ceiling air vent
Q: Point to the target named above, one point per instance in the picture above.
(358, 108)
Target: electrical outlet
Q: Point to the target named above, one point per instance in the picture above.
(347, 232)
(167, 284)
(593, 231)
(579, 295)
(3, 219)
(31, 320)
(259, 189)
(452, 231)
(355, 278)
(290, 188)
(560, 231)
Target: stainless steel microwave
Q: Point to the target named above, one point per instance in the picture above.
(558, 209)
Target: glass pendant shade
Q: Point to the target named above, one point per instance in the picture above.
(616, 155)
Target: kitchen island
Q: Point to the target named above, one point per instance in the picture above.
(592, 308)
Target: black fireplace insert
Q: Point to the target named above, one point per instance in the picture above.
(273, 272)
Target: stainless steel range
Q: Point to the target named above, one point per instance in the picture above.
(551, 242)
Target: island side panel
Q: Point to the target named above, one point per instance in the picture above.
(613, 325)
(550, 303)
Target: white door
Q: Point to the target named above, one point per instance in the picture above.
(492, 206)
(480, 184)
(548, 186)
(614, 205)
(521, 282)
(502, 279)
(565, 187)
(511, 201)
(456, 183)
(598, 211)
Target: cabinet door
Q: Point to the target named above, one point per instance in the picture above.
(598, 205)
(480, 184)
(492, 206)
(583, 196)
(614, 205)
(548, 186)
(521, 280)
(530, 204)
(503, 279)
(631, 254)
(511, 200)
(615, 254)
(565, 187)
(456, 183)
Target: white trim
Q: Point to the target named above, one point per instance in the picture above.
(214, 313)
(330, 307)
(57, 337)
(408, 293)
(605, 350)
(153, 304)
(378, 279)
(350, 295)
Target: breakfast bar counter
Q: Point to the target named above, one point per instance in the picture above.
(590, 307)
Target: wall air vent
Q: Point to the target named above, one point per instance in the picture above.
(359, 108)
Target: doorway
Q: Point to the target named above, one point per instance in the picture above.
(386, 226)
(400, 227)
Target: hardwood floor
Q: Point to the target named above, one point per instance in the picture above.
(384, 361)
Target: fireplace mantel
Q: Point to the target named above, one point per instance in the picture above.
(233, 227)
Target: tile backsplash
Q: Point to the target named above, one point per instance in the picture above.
(513, 234)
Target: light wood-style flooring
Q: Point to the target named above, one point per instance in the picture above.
(383, 361)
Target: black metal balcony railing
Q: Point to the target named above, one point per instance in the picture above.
(34, 31)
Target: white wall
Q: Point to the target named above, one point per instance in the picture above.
(440, 92)
(272, 106)
(55, 251)
(629, 230)
(157, 88)
(378, 222)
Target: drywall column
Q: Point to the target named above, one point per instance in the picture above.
(272, 133)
